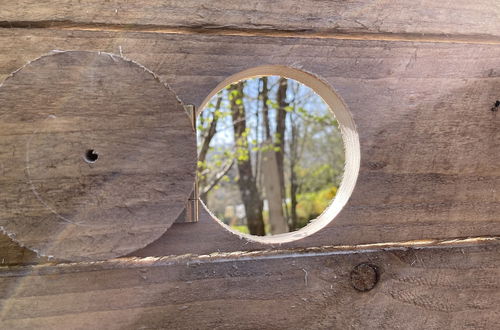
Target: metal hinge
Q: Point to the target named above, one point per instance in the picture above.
(191, 213)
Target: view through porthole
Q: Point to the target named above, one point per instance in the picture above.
(271, 155)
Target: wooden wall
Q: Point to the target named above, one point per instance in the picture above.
(420, 79)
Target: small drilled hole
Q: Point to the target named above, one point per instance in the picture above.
(91, 156)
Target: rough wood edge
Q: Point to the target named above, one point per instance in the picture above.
(218, 257)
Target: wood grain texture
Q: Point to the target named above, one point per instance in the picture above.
(433, 288)
(430, 168)
(55, 202)
(430, 157)
(461, 17)
(13, 254)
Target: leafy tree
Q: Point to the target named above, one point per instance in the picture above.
(270, 153)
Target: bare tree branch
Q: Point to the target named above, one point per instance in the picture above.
(210, 133)
(216, 179)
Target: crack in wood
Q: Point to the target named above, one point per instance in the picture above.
(207, 29)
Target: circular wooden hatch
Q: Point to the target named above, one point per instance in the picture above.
(97, 156)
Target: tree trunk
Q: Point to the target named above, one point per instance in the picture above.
(265, 107)
(246, 183)
(271, 173)
(272, 187)
(280, 135)
(293, 179)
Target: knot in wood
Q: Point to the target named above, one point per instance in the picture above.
(364, 277)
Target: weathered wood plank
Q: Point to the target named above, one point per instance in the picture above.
(430, 160)
(393, 17)
(447, 287)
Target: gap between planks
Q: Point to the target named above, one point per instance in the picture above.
(238, 256)
(227, 31)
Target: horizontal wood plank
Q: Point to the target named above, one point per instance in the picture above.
(429, 151)
(460, 17)
(442, 287)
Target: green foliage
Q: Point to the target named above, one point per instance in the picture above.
(241, 228)
(272, 104)
(316, 177)
(315, 150)
(312, 204)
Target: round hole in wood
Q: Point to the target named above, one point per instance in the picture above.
(234, 111)
(91, 156)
